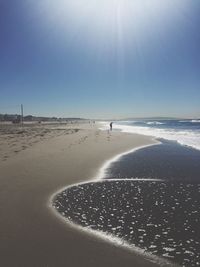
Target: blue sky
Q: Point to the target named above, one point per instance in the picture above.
(100, 59)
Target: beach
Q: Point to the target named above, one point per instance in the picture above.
(56, 157)
(99, 133)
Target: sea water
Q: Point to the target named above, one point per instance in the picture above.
(149, 198)
(185, 132)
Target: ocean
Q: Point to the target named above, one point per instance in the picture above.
(149, 198)
(185, 132)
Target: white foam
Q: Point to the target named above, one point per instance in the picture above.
(116, 241)
(184, 137)
(154, 123)
(105, 125)
(195, 121)
(102, 171)
(133, 179)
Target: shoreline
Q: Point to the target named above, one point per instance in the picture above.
(72, 202)
(116, 158)
(105, 236)
(112, 239)
(100, 172)
(116, 241)
(32, 234)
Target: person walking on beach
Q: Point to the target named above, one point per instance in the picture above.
(111, 126)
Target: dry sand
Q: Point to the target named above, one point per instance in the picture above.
(48, 158)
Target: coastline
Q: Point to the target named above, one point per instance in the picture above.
(90, 206)
(117, 157)
(31, 233)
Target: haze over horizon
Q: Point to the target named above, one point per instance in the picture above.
(100, 59)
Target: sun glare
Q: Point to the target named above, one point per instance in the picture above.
(110, 22)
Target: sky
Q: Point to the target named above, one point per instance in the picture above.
(100, 58)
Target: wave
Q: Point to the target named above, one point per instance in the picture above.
(184, 137)
(195, 121)
(155, 123)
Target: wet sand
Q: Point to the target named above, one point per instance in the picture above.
(31, 234)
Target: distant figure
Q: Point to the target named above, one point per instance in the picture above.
(111, 126)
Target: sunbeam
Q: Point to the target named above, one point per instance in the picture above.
(109, 22)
